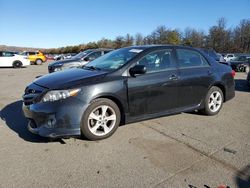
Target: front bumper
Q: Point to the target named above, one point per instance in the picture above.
(55, 119)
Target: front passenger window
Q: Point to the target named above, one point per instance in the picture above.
(157, 61)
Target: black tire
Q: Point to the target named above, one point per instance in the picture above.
(208, 110)
(86, 122)
(39, 62)
(17, 64)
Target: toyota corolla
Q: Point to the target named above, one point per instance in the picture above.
(126, 85)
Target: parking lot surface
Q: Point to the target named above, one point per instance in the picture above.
(183, 150)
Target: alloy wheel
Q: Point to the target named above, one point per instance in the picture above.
(215, 101)
(101, 120)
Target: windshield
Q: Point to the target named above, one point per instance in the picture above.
(115, 59)
(22, 53)
(82, 54)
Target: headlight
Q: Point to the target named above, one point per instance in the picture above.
(57, 69)
(56, 95)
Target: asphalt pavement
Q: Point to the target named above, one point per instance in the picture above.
(186, 150)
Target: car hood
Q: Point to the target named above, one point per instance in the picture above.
(69, 78)
(59, 63)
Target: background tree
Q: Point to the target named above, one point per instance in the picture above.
(194, 38)
(219, 37)
(119, 42)
(138, 39)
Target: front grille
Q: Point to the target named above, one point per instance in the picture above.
(32, 94)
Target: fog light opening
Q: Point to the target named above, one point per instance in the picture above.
(51, 122)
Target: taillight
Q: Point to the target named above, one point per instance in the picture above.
(233, 73)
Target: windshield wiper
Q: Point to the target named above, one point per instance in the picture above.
(91, 68)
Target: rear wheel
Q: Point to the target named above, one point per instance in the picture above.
(39, 62)
(214, 101)
(101, 119)
(17, 64)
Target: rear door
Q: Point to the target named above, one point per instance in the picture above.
(195, 76)
(155, 91)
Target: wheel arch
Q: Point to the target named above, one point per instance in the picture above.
(117, 101)
(222, 87)
(38, 59)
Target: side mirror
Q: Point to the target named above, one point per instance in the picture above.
(137, 69)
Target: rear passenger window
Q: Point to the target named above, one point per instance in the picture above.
(190, 58)
(157, 61)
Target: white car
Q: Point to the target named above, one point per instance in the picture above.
(229, 57)
(10, 59)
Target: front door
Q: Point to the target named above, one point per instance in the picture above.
(155, 91)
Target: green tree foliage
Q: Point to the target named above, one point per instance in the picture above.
(138, 39)
(193, 37)
(219, 37)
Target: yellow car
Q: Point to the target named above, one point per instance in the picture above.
(35, 57)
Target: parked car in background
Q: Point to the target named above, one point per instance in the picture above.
(212, 53)
(58, 57)
(123, 86)
(78, 60)
(229, 57)
(248, 78)
(10, 59)
(35, 57)
(68, 56)
(241, 63)
(49, 57)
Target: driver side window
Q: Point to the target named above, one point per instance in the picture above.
(95, 55)
(157, 61)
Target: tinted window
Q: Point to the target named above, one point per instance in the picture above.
(7, 54)
(82, 54)
(157, 61)
(32, 53)
(190, 58)
(115, 59)
(95, 55)
(106, 52)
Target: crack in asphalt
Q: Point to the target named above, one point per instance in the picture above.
(204, 154)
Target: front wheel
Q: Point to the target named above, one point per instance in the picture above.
(39, 62)
(213, 101)
(101, 119)
(17, 64)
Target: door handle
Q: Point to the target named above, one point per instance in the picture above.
(173, 77)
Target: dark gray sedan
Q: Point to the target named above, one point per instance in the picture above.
(78, 60)
(126, 85)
